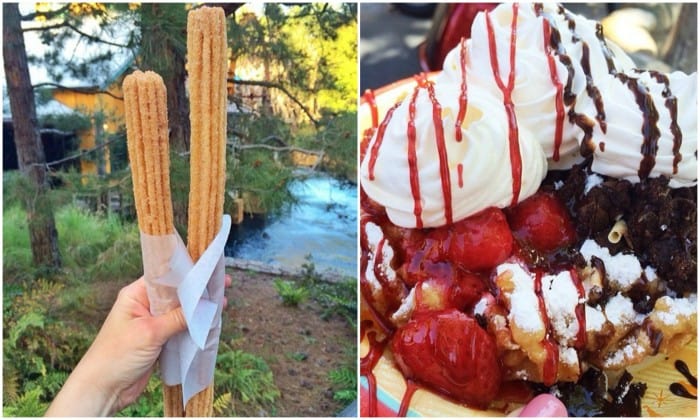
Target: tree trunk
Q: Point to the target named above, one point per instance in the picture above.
(30, 152)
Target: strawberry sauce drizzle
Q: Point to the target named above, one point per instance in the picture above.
(551, 362)
(580, 310)
(463, 91)
(374, 153)
(411, 389)
(507, 90)
(413, 159)
(368, 362)
(371, 101)
(559, 98)
(442, 152)
(460, 175)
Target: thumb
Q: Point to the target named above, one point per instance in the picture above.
(169, 324)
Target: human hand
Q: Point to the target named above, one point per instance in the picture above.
(115, 369)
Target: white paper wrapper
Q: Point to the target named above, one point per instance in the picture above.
(172, 280)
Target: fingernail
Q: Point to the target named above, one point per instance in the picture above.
(544, 405)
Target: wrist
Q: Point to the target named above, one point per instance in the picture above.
(84, 395)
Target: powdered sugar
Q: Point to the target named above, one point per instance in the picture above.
(629, 351)
(620, 311)
(524, 304)
(594, 319)
(561, 298)
(678, 307)
(375, 236)
(623, 270)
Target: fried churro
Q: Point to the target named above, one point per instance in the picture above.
(207, 67)
(147, 141)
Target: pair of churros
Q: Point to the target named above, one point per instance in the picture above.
(207, 68)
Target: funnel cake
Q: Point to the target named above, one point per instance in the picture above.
(528, 199)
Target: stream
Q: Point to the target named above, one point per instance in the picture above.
(322, 224)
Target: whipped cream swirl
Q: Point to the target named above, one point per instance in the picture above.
(529, 69)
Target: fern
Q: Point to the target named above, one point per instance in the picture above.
(149, 404)
(222, 402)
(247, 377)
(28, 404)
(291, 294)
(10, 384)
(26, 321)
(344, 379)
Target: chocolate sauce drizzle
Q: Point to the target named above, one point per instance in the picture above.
(679, 389)
(672, 104)
(650, 129)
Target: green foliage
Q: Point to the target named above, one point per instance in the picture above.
(291, 293)
(298, 356)
(344, 380)
(261, 181)
(180, 191)
(93, 247)
(336, 298)
(337, 137)
(122, 259)
(17, 255)
(315, 45)
(29, 404)
(84, 235)
(222, 403)
(149, 404)
(248, 378)
(39, 347)
(72, 122)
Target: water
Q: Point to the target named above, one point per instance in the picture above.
(323, 224)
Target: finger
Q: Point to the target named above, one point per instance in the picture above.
(136, 291)
(228, 280)
(544, 405)
(168, 324)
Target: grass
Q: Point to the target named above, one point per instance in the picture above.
(93, 247)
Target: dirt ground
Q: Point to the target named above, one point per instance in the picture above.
(300, 347)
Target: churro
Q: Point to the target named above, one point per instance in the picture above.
(207, 67)
(147, 141)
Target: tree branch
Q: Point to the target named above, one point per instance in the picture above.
(277, 148)
(78, 31)
(280, 87)
(78, 89)
(48, 15)
(79, 154)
